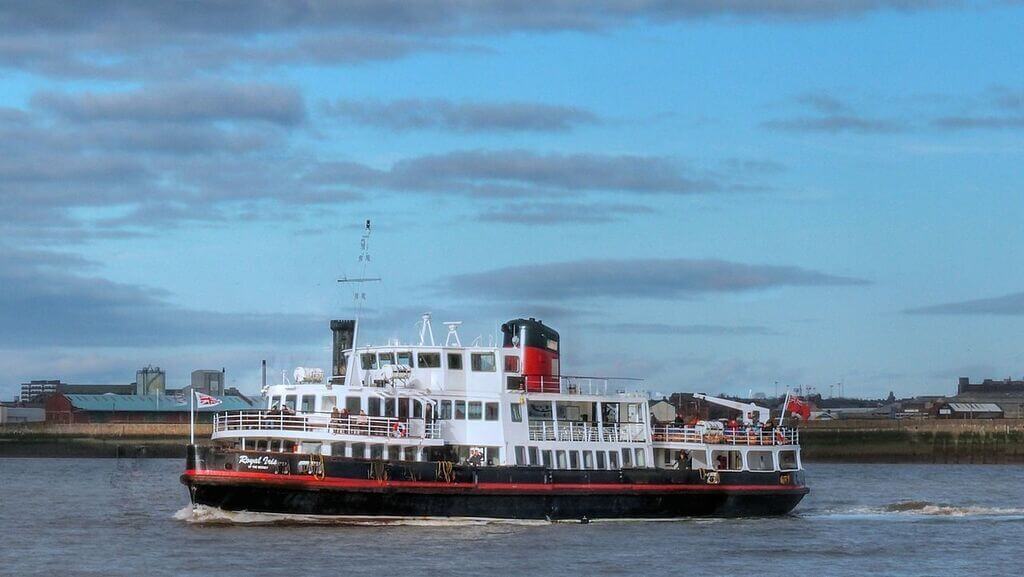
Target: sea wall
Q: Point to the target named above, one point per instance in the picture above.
(884, 441)
(914, 441)
(98, 440)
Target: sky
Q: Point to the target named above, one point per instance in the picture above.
(725, 196)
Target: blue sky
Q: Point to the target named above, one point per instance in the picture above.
(714, 196)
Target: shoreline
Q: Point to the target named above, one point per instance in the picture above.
(938, 442)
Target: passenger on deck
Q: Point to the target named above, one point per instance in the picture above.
(721, 462)
(363, 422)
(335, 420)
(343, 420)
(685, 461)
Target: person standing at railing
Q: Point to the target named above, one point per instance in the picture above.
(363, 423)
(335, 420)
(343, 420)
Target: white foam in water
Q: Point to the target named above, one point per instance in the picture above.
(205, 515)
(924, 508)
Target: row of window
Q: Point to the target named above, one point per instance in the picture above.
(478, 362)
(472, 410)
(559, 459)
(375, 406)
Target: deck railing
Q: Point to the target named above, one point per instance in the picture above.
(388, 427)
(587, 432)
(746, 436)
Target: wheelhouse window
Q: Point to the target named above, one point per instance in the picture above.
(386, 359)
(517, 412)
(327, 404)
(445, 411)
(404, 358)
(417, 410)
(368, 361)
(353, 405)
(482, 362)
(389, 407)
(511, 364)
(476, 410)
(491, 411)
(460, 410)
(307, 403)
(289, 401)
(428, 360)
(275, 403)
(455, 361)
(374, 406)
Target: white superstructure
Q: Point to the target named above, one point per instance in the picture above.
(477, 404)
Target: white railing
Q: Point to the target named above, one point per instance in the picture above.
(577, 385)
(747, 436)
(587, 432)
(388, 427)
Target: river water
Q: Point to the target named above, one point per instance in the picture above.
(102, 517)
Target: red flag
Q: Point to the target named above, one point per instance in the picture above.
(799, 407)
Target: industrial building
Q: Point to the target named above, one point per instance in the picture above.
(34, 391)
(1008, 394)
(66, 409)
(208, 381)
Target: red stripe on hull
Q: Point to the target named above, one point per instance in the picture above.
(251, 478)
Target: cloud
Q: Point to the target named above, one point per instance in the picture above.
(557, 213)
(636, 278)
(181, 103)
(418, 114)
(1007, 305)
(513, 173)
(119, 39)
(44, 303)
(979, 122)
(832, 116)
(669, 329)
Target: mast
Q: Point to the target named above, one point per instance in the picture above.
(358, 296)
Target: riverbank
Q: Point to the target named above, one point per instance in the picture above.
(852, 441)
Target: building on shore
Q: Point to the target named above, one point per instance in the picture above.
(78, 409)
(1008, 394)
(150, 380)
(13, 414)
(969, 411)
(36, 391)
(208, 381)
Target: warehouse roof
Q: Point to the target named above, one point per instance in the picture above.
(153, 403)
(975, 407)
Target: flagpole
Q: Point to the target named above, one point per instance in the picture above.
(785, 407)
(191, 417)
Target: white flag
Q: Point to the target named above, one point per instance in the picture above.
(204, 400)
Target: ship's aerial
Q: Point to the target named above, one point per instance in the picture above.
(490, 430)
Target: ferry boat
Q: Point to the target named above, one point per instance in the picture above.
(493, 431)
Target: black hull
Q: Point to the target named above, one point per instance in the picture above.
(360, 488)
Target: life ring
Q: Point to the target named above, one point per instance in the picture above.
(713, 478)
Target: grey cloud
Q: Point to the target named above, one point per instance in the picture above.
(510, 173)
(182, 103)
(668, 329)
(832, 116)
(1007, 305)
(117, 38)
(555, 213)
(979, 122)
(45, 302)
(636, 278)
(412, 114)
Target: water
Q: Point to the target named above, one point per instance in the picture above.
(61, 517)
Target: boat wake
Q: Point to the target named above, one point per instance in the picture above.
(923, 508)
(205, 515)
